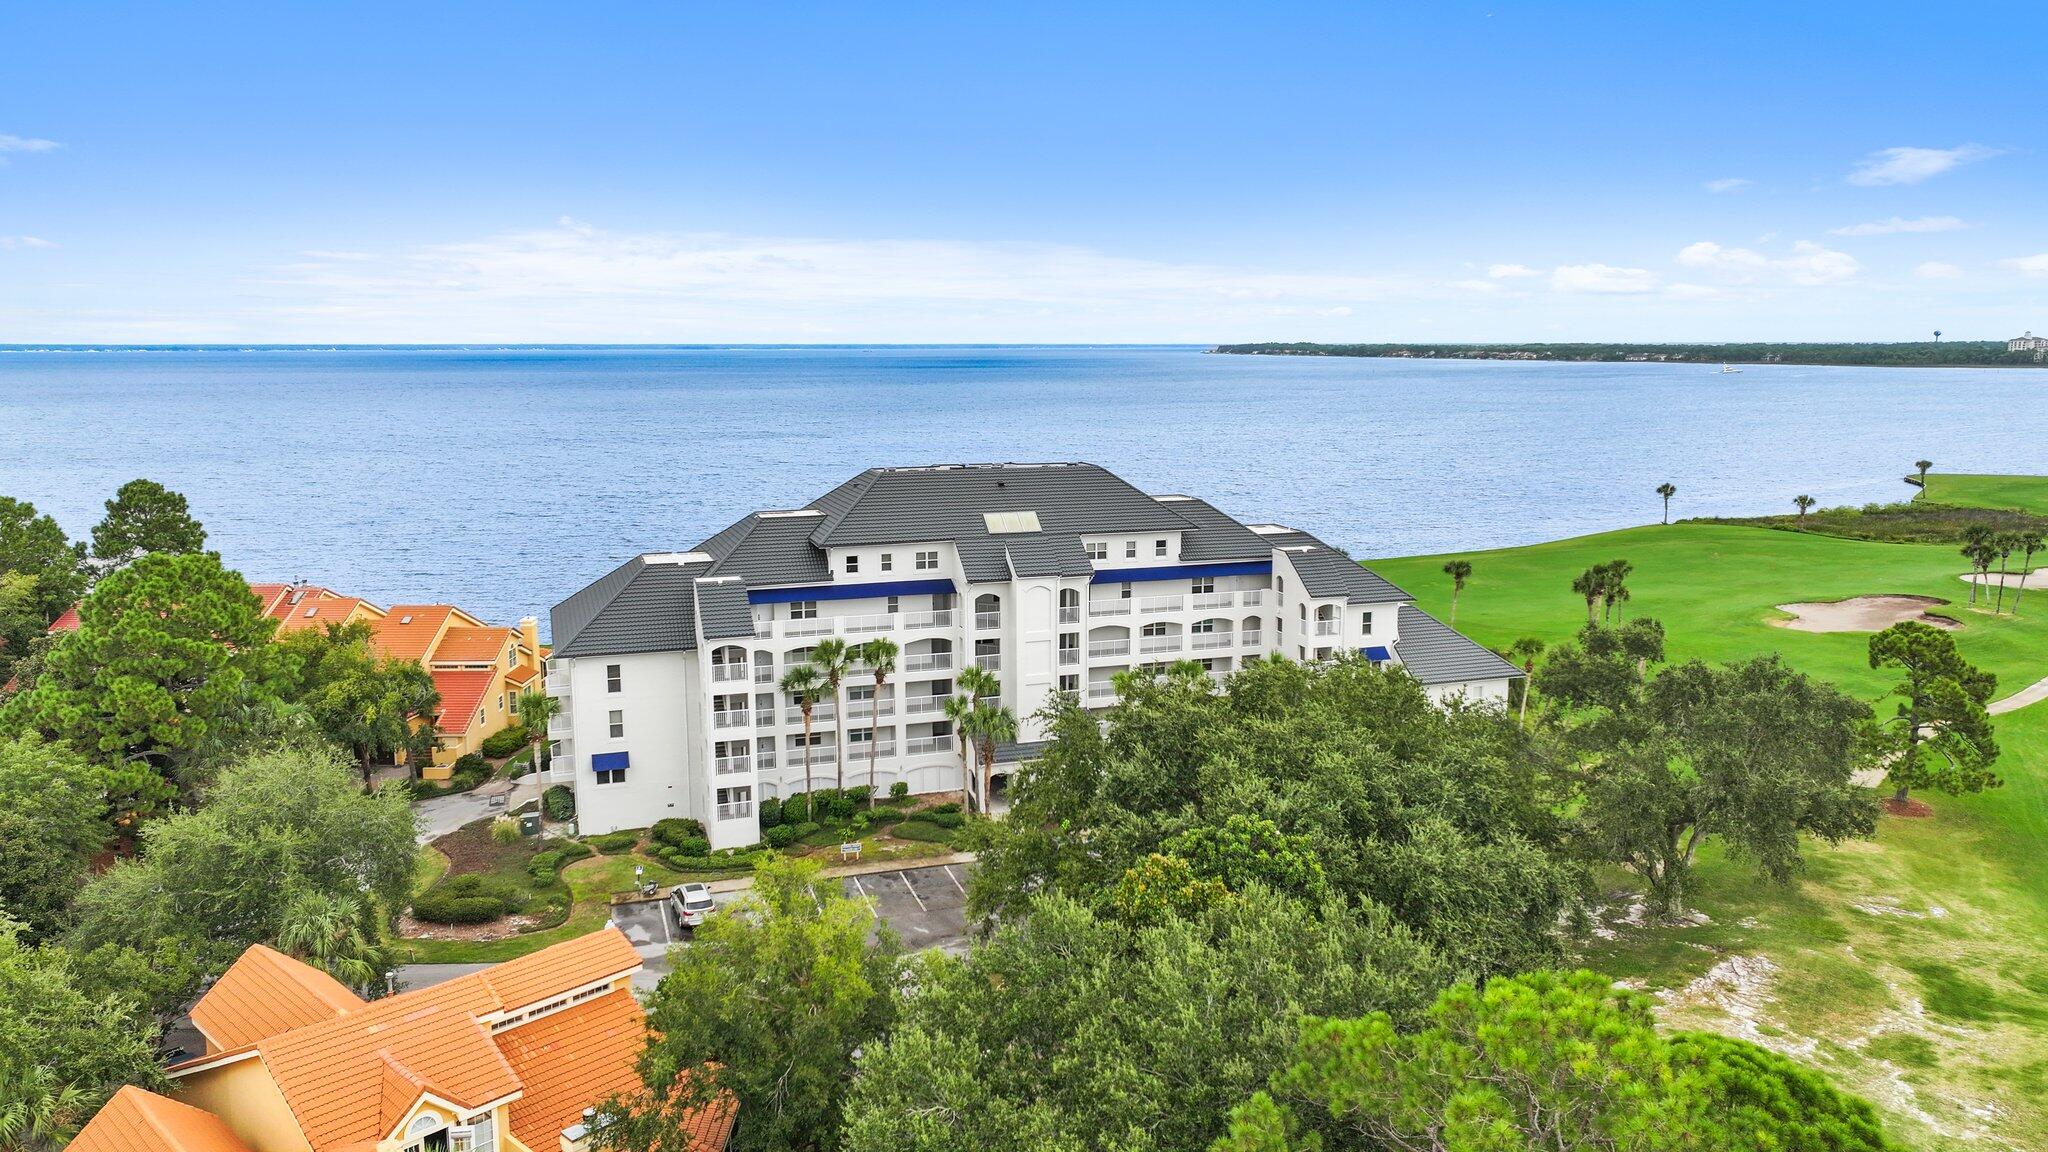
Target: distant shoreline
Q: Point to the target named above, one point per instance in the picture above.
(1949, 354)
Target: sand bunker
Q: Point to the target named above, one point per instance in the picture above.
(1862, 614)
(2014, 580)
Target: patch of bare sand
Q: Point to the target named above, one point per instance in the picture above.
(1863, 614)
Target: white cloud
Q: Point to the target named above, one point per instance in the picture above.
(1602, 278)
(2029, 265)
(25, 144)
(1684, 291)
(1912, 165)
(1937, 270)
(1511, 271)
(1728, 184)
(1809, 263)
(1482, 287)
(1899, 224)
(10, 243)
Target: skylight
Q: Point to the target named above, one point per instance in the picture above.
(1004, 522)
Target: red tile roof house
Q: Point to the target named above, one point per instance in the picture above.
(503, 1060)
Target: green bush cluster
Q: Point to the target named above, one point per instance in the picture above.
(499, 745)
(613, 843)
(558, 803)
(548, 864)
(923, 830)
(899, 790)
(770, 812)
(680, 832)
(728, 860)
(468, 899)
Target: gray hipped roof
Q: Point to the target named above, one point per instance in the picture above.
(648, 604)
(947, 502)
(1328, 573)
(1435, 654)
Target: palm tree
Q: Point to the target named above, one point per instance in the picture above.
(1977, 550)
(535, 710)
(1804, 502)
(832, 658)
(980, 686)
(1458, 571)
(1923, 466)
(2002, 544)
(803, 684)
(1524, 652)
(960, 710)
(2029, 542)
(1667, 490)
(879, 655)
(993, 725)
(1613, 586)
(1588, 585)
(327, 932)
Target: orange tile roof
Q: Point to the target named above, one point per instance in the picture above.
(520, 676)
(471, 645)
(531, 979)
(570, 1060)
(461, 692)
(322, 612)
(407, 631)
(266, 992)
(68, 622)
(268, 594)
(139, 1121)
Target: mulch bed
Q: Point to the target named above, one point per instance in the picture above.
(1912, 809)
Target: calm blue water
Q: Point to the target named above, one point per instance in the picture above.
(503, 480)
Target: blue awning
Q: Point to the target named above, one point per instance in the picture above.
(1181, 572)
(607, 761)
(1376, 654)
(850, 591)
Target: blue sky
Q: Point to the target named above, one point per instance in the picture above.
(684, 171)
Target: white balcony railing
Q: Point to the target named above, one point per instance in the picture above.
(739, 811)
(732, 719)
(992, 662)
(865, 625)
(924, 745)
(725, 673)
(763, 717)
(823, 626)
(1097, 649)
(727, 765)
(1328, 627)
(820, 714)
(1159, 644)
(560, 728)
(988, 619)
(939, 619)
(921, 705)
(764, 760)
(1205, 640)
(558, 683)
(1102, 693)
(1109, 608)
(1252, 597)
(1070, 656)
(1070, 614)
(1162, 603)
(822, 756)
(855, 709)
(858, 753)
(928, 662)
(1251, 638)
(764, 674)
(1214, 599)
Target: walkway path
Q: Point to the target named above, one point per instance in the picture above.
(440, 815)
(2032, 694)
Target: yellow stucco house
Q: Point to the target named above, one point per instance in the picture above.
(502, 1060)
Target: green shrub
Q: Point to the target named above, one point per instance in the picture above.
(471, 764)
(544, 865)
(860, 822)
(804, 829)
(613, 843)
(499, 745)
(922, 830)
(780, 836)
(860, 794)
(937, 809)
(504, 830)
(468, 899)
(730, 860)
(574, 850)
(838, 809)
(943, 819)
(899, 790)
(558, 803)
(823, 837)
(677, 832)
(770, 812)
(883, 815)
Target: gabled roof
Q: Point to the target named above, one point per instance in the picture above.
(408, 631)
(1327, 573)
(319, 612)
(264, 993)
(521, 676)
(647, 604)
(462, 690)
(138, 1121)
(462, 644)
(572, 1059)
(948, 502)
(722, 610)
(769, 548)
(1217, 536)
(1434, 653)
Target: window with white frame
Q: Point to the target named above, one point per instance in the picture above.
(1123, 591)
(1070, 682)
(803, 609)
(1159, 547)
(611, 775)
(1203, 626)
(927, 561)
(888, 561)
(612, 680)
(1130, 549)
(895, 605)
(1202, 585)
(618, 724)
(1098, 549)
(1153, 630)
(852, 565)
(1365, 622)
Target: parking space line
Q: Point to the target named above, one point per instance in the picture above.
(913, 892)
(862, 889)
(954, 879)
(668, 932)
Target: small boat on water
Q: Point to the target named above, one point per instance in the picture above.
(1728, 371)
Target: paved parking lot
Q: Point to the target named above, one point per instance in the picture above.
(926, 907)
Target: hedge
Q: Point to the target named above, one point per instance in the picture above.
(770, 812)
(679, 832)
(613, 843)
(899, 790)
(558, 803)
(499, 745)
(952, 819)
(730, 860)
(467, 899)
(922, 830)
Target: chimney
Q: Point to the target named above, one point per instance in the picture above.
(529, 635)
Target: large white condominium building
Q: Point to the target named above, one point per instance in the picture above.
(1055, 577)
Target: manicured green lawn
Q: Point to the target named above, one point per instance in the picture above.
(1912, 965)
(2026, 493)
(592, 883)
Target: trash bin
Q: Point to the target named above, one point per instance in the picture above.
(529, 823)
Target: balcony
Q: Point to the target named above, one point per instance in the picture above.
(1159, 644)
(993, 662)
(1070, 614)
(1102, 693)
(925, 745)
(939, 619)
(739, 811)
(1069, 656)
(560, 728)
(763, 717)
(1098, 649)
(1214, 599)
(822, 756)
(1162, 603)
(1205, 640)
(1328, 627)
(928, 662)
(1109, 608)
(1251, 639)
(820, 714)
(867, 625)
(726, 673)
(1252, 597)
(732, 719)
(988, 620)
(727, 765)
(558, 683)
(857, 754)
(924, 705)
(764, 760)
(857, 709)
(764, 674)
(817, 627)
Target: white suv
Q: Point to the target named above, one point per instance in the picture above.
(692, 903)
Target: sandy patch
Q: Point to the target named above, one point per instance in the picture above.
(1862, 614)
(2038, 578)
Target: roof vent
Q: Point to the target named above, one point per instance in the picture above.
(999, 523)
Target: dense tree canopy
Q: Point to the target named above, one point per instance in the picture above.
(1547, 1060)
(62, 1051)
(41, 574)
(373, 705)
(1341, 778)
(172, 661)
(275, 827)
(143, 517)
(1069, 1030)
(53, 819)
(1941, 737)
(769, 1002)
